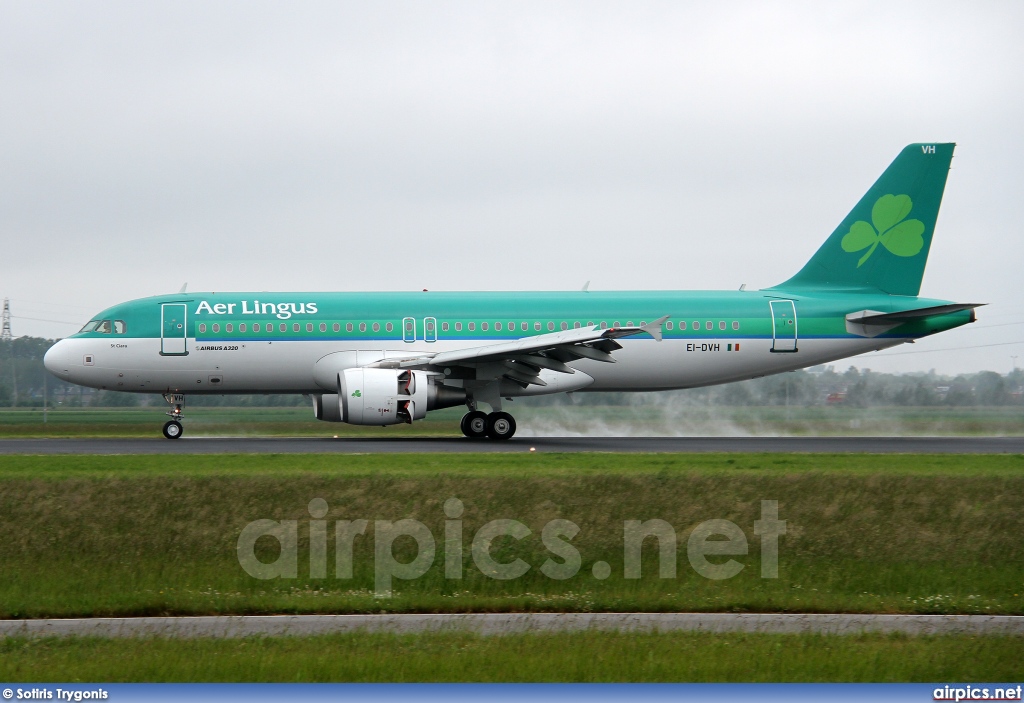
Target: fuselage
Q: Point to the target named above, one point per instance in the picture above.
(272, 342)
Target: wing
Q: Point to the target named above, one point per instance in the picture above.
(522, 360)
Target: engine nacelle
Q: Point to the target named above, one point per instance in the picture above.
(327, 407)
(368, 396)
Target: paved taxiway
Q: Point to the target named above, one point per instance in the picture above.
(399, 445)
(511, 623)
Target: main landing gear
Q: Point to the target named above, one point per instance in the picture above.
(498, 425)
(173, 428)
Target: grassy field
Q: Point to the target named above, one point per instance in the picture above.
(655, 419)
(583, 657)
(207, 422)
(134, 535)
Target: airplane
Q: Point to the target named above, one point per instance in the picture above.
(388, 358)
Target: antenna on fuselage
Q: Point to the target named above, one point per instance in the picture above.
(586, 286)
(183, 287)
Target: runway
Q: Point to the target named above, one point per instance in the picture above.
(693, 445)
(222, 626)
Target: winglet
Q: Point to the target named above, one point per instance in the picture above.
(183, 287)
(654, 328)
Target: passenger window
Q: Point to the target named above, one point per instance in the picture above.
(202, 328)
(576, 325)
(721, 325)
(444, 326)
(362, 326)
(524, 326)
(323, 326)
(735, 325)
(629, 323)
(389, 327)
(497, 326)
(696, 325)
(565, 325)
(709, 325)
(458, 326)
(120, 327)
(668, 324)
(512, 327)
(241, 327)
(104, 327)
(348, 326)
(483, 326)
(536, 327)
(216, 327)
(309, 326)
(376, 327)
(336, 327)
(229, 327)
(551, 327)
(283, 327)
(255, 327)
(295, 327)
(604, 325)
(616, 324)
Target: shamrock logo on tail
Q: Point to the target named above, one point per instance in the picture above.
(900, 236)
(357, 394)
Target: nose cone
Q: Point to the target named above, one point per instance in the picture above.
(57, 360)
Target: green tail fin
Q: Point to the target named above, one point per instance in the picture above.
(883, 243)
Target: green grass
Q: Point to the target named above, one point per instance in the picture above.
(148, 535)
(206, 422)
(580, 657)
(653, 419)
(533, 465)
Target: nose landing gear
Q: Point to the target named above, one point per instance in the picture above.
(496, 425)
(173, 428)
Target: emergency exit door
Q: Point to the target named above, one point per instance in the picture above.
(173, 329)
(784, 334)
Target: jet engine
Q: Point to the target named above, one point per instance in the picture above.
(368, 396)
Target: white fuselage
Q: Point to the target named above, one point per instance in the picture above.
(136, 365)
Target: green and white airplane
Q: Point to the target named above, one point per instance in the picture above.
(388, 358)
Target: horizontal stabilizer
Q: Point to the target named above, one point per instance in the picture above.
(870, 317)
(871, 323)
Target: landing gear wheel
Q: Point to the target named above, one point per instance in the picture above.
(500, 426)
(474, 424)
(173, 429)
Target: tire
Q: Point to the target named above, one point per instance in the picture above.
(474, 424)
(500, 426)
(173, 430)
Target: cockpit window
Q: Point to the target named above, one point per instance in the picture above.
(90, 326)
(120, 327)
(103, 327)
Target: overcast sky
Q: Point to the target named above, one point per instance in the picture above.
(498, 146)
